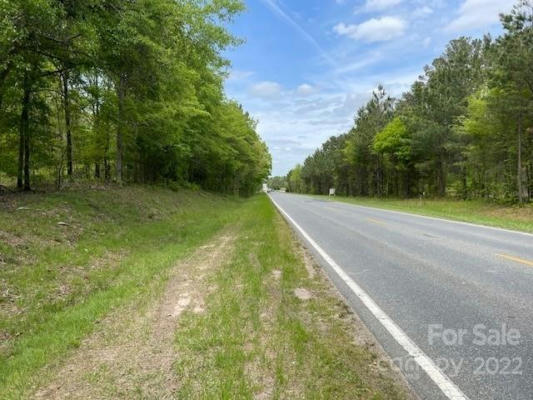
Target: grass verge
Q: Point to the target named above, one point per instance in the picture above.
(519, 218)
(146, 293)
(67, 259)
(274, 328)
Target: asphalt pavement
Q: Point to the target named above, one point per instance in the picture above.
(451, 303)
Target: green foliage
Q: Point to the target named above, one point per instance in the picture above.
(294, 180)
(130, 91)
(394, 140)
(277, 182)
(465, 128)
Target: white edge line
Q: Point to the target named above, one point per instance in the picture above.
(494, 228)
(450, 390)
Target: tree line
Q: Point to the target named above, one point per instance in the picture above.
(125, 91)
(464, 129)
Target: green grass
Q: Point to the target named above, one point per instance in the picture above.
(257, 339)
(58, 280)
(518, 218)
(71, 260)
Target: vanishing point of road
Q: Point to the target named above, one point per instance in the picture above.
(451, 303)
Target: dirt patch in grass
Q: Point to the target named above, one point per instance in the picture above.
(303, 294)
(10, 239)
(132, 353)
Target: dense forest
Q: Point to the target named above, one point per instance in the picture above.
(465, 128)
(123, 91)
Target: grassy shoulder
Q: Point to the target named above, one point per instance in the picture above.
(145, 293)
(67, 259)
(274, 327)
(519, 218)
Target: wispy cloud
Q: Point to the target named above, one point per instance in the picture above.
(266, 90)
(275, 7)
(238, 75)
(478, 13)
(373, 30)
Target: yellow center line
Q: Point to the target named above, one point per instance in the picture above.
(516, 259)
(375, 221)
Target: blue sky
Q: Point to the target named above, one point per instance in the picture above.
(308, 65)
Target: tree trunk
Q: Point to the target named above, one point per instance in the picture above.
(464, 182)
(68, 128)
(23, 176)
(441, 178)
(407, 183)
(519, 165)
(27, 186)
(107, 170)
(96, 124)
(120, 128)
(22, 138)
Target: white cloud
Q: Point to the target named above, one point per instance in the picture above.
(266, 89)
(426, 42)
(478, 13)
(374, 5)
(373, 30)
(237, 75)
(305, 90)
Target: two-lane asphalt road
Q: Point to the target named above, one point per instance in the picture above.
(451, 303)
